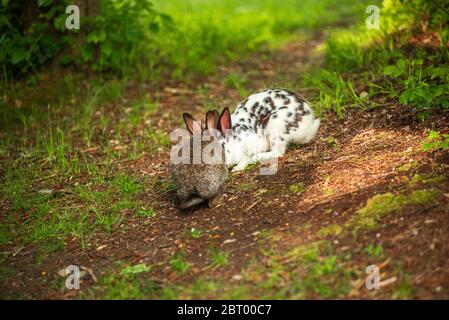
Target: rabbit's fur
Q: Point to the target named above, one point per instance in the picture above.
(264, 125)
(200, 182)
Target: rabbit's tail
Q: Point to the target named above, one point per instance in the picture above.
(194, 201)
(311, 130)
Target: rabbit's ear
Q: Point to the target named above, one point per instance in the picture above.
(224, 122)
(193, 125)
(211, 119)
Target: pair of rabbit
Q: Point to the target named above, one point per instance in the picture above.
(260, 129)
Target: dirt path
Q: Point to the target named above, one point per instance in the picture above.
(308, 205)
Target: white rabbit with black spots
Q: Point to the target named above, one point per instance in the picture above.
(264, 125)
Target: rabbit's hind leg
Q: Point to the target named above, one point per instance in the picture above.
(241, 165)
(212, 202)
(278, 150)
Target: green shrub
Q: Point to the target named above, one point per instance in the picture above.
(406, 60)
(121, 36)
(26, 45)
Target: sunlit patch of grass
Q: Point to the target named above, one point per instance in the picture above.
(436, 141)
(206, 35)
(305, 252)
(335, 93)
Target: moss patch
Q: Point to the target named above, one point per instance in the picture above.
(426, 180)
(330, 230)
(382, 204)
(297, 188)
(408, 166)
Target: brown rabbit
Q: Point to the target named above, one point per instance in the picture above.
(204, 181)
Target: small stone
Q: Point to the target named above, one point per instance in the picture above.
(229, 241)
(237, 277)
(363, 94)
(62, 272)
(45, 192)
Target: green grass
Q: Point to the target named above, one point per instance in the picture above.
(245, 186)
(127, 185)
(218, 257)
(179, 264)
(313, 271)
(208, 31)
(436, 141)
(135, 269)
(194, 233)
(404, 289)
(47, 219)
(118, 287)
(374, 250)
(430, 180)
(362, 65)
(145, 212)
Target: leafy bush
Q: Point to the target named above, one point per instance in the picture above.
(118, 38)
(436, 141)
(26, 45)
(208, 31)
(121, 35)
(406, 59)
(135, 35)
